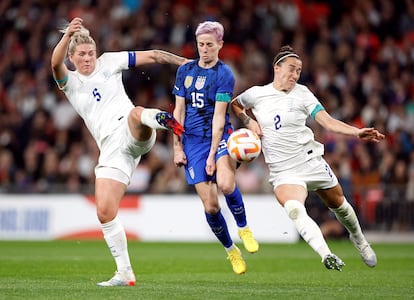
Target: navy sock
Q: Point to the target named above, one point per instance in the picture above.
(219, 227)
(236, 206)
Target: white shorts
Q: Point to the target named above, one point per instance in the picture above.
(313, 175)
(120, 154)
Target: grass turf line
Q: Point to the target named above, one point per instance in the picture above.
(71, 269)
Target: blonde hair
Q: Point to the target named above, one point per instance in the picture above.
(81, 37)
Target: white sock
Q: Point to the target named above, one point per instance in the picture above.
(306, 227)
(148, 118)
(347, 217)
(232, 247)
(116, 240)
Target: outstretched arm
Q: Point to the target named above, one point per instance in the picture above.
(160, 57)
(367, 134)
(59, 68)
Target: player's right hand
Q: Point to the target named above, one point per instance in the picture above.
(255, 127)
(179, 158)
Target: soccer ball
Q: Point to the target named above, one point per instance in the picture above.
(244, 145)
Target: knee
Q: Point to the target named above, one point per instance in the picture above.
(294, 209)
(227, 189)
(105, 215)
(226, 186)
(211, 208)
(135, 114)
(139, 131)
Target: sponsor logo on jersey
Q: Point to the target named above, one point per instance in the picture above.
(201, 80)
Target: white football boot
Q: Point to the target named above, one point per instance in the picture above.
(367, 254)
(124, 278)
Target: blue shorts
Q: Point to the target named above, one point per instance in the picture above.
(195, 170)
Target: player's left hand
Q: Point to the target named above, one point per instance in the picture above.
(210, 165)
(370, 134)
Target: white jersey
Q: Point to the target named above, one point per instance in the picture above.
(100, 98)
(287, 141)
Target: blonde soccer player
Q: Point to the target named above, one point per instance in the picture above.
(122, 131)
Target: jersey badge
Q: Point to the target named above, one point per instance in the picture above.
(188, 81)
(191, 171)
(106, 74)
(201, 80)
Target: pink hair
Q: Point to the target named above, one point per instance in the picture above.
(210, 27)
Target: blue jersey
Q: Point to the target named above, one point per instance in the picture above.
(201, 88)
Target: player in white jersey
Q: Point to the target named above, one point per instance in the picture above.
(122, 131)
(294, 158)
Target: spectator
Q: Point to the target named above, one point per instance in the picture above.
(370, 44)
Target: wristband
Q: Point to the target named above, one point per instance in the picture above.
(64, 79)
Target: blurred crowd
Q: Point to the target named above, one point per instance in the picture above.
(358, 58)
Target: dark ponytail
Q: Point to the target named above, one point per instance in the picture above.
(284, 52)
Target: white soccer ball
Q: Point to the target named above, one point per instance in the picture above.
(244, 145)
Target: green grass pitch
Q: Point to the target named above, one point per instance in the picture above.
(71, 269)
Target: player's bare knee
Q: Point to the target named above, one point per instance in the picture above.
(139, 131)
(135, 114)
(105, 215)
(294, 209)
(226, 188)
(212, 209)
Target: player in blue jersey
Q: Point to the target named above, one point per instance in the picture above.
(122, 131)
(203, 90)
(295, 158)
